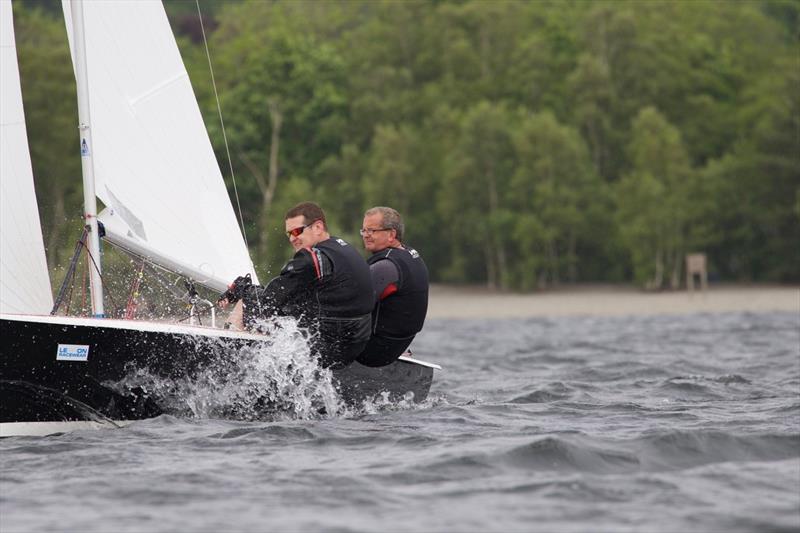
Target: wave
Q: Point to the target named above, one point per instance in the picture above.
(689, 388)
(791, 408)
(271, 431)
(558, 453)
(729, 379)
(684, 449)
(552, 392)
(705, 387)
(673, 450)
(577, 395)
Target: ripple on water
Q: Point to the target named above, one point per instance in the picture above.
(680, 423)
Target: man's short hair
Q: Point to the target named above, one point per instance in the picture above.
(391, 219)
(310, 212)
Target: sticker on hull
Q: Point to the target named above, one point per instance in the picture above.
(72, 352)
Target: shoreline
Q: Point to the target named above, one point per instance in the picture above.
(447, 301)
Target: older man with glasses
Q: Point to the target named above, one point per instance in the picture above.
(326, 286)
(400, 282)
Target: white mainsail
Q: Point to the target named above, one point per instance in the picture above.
(154, 166)
(24, 280)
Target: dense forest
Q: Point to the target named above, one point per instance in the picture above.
(527, 144)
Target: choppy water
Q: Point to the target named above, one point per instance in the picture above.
(687, 423)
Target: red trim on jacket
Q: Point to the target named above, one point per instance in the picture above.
(316, 260)
(388, 291)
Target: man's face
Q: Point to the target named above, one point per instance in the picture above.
(307, 234)
(375, 237)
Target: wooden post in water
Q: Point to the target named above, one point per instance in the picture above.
(696, 264)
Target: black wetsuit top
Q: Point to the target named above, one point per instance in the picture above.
(328, 289)
(400, 309)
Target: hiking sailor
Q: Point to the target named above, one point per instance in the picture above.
(400, 282)
(326, 286)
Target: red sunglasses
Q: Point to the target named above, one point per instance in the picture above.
(295, 232)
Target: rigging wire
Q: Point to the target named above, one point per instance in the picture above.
(89, 259)
(158, 273)
(70, 275)
(130, 308)
(222, 124)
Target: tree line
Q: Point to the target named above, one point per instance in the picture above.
(527, 144)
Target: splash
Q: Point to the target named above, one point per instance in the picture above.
(276, 381)
(386, 403)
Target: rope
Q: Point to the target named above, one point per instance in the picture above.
(71, 289)
(130, 308)
(69, 276)
(222, 123)
(84, 282)
(91, 260)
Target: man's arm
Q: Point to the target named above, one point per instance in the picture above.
(297, 276)
(385, 278)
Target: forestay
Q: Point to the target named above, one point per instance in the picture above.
(24, 280)
(155, 170)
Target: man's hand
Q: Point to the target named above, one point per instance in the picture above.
(236, 290)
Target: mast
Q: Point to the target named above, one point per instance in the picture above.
(87, 163)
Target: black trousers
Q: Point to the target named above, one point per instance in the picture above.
(381, 351)
(339, 340)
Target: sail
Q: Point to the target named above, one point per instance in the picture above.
(24, 280)
(154, 167)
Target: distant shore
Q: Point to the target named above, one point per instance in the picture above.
(448, 301)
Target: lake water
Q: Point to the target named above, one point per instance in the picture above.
(662, 423)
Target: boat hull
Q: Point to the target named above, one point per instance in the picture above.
(56, 369)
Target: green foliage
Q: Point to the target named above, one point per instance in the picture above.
(526, 143)
(556, 183)
(478, 169)
(652, 200)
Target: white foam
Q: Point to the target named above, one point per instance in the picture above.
(279, 380)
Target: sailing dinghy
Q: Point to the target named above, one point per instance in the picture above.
(146, 155)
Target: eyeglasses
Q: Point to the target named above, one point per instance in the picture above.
(368, 232)
(295, 232)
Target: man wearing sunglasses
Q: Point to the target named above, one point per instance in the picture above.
(326, 286)
(400, 282)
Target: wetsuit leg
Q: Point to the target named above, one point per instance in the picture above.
(381, 351)
(340, 340)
